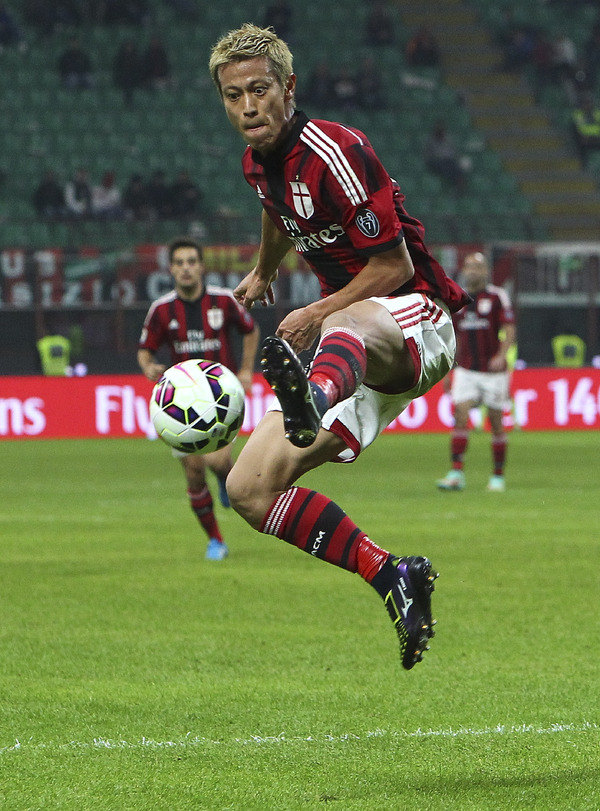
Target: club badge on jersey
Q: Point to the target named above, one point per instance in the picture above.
(215, 317)
(303, 203)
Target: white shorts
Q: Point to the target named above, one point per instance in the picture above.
(429, 335)
(490, 389)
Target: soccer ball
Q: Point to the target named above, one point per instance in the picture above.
(197, 406)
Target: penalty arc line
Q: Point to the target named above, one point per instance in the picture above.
(190, 741)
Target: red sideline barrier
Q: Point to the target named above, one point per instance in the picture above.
(117, 405)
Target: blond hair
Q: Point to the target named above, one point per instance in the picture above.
(246, 43)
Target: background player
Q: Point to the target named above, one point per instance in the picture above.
(481, 376)
(385, 335)
(196, 321)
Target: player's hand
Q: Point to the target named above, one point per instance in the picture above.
(153, 371)
(253, 288)
(300, 329)
(497, 363)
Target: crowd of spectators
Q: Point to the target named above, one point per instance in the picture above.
(345, 88)
(142, 199)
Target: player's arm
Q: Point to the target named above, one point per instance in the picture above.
(383, 273)
(249, 350)
(148, 365)
(498, 362)
(257, 285)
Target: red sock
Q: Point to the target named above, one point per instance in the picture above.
(339, 364)
(315, 524)
(499, 447)
(202, 507)
(458, 447)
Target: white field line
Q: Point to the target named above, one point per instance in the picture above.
(190, 741)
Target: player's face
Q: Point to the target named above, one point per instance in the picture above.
(259, 108)
(187, 271)
(474, 274)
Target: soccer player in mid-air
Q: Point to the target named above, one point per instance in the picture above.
(195, 320)
(485, 333)
(383, 323)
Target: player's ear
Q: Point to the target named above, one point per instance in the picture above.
(290, 87)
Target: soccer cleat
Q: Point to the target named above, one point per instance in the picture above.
(454, 480)
(216, 550)
(409, 605)
(285, 374)
(223, 497)
(496, 484)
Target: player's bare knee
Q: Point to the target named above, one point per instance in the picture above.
(244, 497)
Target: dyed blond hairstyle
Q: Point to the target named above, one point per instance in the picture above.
(247, 42)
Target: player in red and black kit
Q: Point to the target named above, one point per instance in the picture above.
(485, 331)
(196, 321)
(383, 322)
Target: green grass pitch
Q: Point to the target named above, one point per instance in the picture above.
(136, 675)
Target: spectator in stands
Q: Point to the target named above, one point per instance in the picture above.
(49, 198)
(442, 157)
(422, 49)
(369, 85)
(565, 65)
(345, 90)
(586, 126)
(186, 197)
(10, 33)
(106, 199)
(380, 25)
(279, 15)
(127, 70)
(75, 67)
(543, 68)
(518, 50)
(156, 68)
(159, 196)
(319, 88)
(135, 199)
(78, 196)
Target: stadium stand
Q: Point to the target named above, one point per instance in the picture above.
(525, 180)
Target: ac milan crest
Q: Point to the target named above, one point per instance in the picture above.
(215, 317)
(303, 203)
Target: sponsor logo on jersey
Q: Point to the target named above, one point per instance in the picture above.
(367, 223)
(215, 317)
(314, 241)
(303, 203)
(173, 324)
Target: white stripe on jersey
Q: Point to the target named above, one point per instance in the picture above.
(337, 162)
(165, 298)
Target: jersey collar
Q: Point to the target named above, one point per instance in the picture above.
(299, 121)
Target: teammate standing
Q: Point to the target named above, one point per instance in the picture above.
(383, 324)
(195, 321)
(481, 376)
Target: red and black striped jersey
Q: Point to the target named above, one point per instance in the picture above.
(326, 189)
(196, 329)
(478, 325)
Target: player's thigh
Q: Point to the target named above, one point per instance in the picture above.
(466, 387)
(220, 462)
(269, 464)
(461, 414)
(387, 357)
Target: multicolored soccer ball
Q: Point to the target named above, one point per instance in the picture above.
(197, 406)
